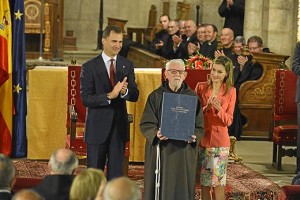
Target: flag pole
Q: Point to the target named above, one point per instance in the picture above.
(56, 53)
(100, 31)
(41, 30)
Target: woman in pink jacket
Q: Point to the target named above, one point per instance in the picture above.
(217, 97)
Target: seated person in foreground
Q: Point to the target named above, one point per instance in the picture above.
(122, 188)
(7, 177)
(88, 184)
(27, 194)
(57, 185)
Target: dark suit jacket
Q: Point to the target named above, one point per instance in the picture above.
(94, 86)
(5, 196)
(182, 50)
(55, 187)
(296, 69)
(234, 16)
(251, 71)
(208, 49)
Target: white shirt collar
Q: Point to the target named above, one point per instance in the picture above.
(106, 58)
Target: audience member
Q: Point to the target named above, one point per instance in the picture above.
(227, 44)
(161, 36)
(27, 194)
(217, 97)
(239, 44)
(210, 46)
(57, 185)
(233, 12)
(122, 188)
(182, 29)
(296, 70)
(7, 177)
(235, 129)
(178, 181)
(180, 45)
(106, 83)
(88, 184)
(193, 48)
(166, 50)
(246, 70)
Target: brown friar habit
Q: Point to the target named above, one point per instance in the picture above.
(178, 158)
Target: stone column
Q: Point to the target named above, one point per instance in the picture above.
(280, 26)
(253, 21)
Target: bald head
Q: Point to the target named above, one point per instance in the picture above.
(122, 188)
(63, 161)
(191, 28)
(27, 195)
(227, 37)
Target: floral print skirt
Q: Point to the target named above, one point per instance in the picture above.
(213, 166)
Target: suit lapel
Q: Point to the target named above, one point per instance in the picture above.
(120, 69)
(102, 72)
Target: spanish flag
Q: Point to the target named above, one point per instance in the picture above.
(6, 99)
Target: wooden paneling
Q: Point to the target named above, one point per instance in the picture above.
(145, 59)
(256, 98)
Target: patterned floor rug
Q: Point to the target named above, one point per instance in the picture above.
(242, 182)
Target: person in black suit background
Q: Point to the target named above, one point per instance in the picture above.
(7, 177)
(233, 12)
(57, 184)
(106, 82)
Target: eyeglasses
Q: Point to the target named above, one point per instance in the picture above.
(174, 71)
(253, 48)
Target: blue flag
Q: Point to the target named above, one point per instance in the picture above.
(19, 148)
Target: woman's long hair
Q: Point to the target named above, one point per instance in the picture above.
(227, 63)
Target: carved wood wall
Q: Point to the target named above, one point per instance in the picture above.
(46, 17)
(256, 98)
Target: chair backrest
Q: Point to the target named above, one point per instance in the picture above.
(74, 95)
(285, 107)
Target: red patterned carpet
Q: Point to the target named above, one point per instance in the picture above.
(242, 182)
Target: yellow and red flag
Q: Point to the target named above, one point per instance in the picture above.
(6, 99)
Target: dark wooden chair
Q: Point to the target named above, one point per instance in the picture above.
(76, 119)
(285, 117)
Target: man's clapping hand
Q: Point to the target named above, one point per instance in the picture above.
(118, 89)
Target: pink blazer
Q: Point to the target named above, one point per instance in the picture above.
(216, 123)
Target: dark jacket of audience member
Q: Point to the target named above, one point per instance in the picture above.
(57, 185)
(7, 177)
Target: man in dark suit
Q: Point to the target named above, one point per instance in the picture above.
(180, 45)
(57, 185)
(106, 82)
(296, 70)
(7, 177)
(233, 12)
